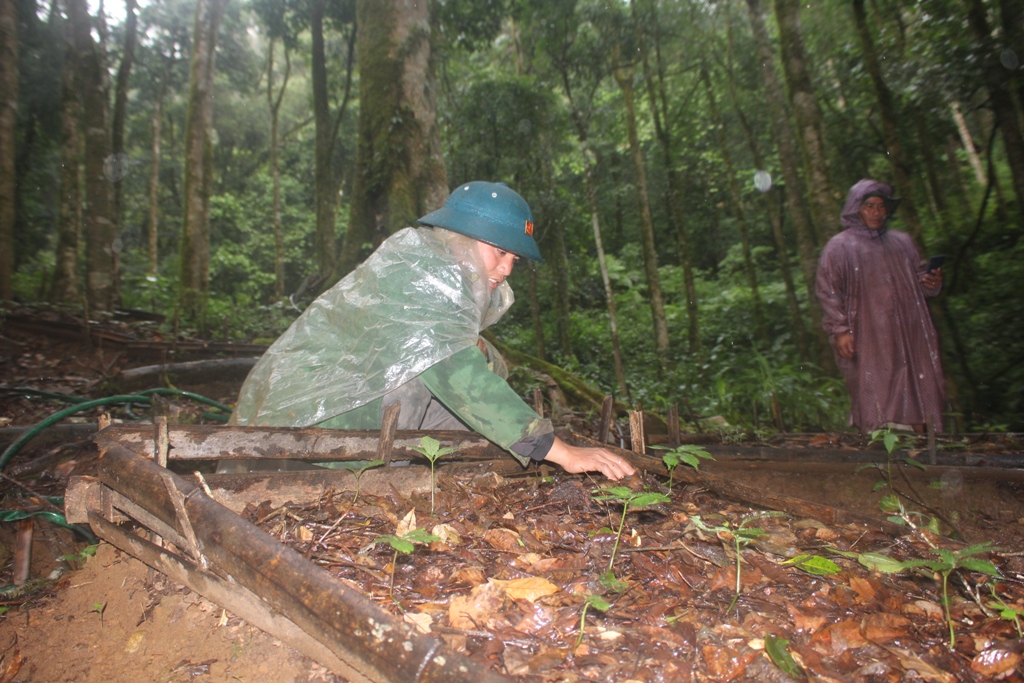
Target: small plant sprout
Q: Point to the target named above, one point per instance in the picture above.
(629, 500)
(688, 454)
(1006, 612)
(598, 603)
(359, 473)
(405, 544)
(740, 536)
(948, 563)
(431, 450)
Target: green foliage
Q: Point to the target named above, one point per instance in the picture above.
(778, 652)
(629, 499)
(689, 454)
(432, 450)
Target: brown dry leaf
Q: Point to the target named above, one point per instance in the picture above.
(724, 663)
(804, 621)
(474, 610)
(864, 589)
(995, 661)
(910, 661)
(505, 540)
(407, 524)
(528, 589)
(884, 626)
(473, 576)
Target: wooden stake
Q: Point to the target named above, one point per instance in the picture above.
(23, 551)
(673, 426)
(636, 429)
(389, 423)
(606, 419)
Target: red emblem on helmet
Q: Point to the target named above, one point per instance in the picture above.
(529, 228)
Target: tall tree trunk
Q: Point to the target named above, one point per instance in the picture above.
(124, 71)
(609, 294)
(98, 219)
(774, 210)
(325, 189)
(799, 212)
(807, 112)
(624, 77)
(194, 254)
(656, 94)
(898, 161)
(400, 173)
(156, 125)
(737, 203)
(8, 141)
(999, 80)
(274, 104)
(69, 218)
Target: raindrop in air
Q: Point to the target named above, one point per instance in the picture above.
(115, 167)
(763, 180)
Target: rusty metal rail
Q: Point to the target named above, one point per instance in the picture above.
(230, 561)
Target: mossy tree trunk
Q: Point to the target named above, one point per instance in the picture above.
(194, 283)
(400, 173)
(69, 213)
(8, 136)
(99, 223)
(807, 112)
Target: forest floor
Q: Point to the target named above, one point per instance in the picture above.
(523, 561)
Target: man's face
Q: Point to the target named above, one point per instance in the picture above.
(497, 262)
(873, 212)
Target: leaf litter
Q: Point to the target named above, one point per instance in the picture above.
(518, 579)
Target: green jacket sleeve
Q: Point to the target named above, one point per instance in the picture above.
(485, 402)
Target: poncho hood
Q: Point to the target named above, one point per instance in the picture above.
(862, 189)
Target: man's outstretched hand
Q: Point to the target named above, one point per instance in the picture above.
(574, 459)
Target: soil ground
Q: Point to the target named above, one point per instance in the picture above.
(109, 618)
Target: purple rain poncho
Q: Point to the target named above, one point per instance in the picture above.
(869, 284)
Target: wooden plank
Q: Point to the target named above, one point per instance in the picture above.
(216, 442)
(354, 628)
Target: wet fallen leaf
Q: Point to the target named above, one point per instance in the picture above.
(528, 589)
(995, 661)
(505, 540)
(803, 621)
(884, 626)
(474, 610)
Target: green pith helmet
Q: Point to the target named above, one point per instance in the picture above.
(492, 213)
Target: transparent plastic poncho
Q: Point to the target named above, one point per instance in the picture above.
(421, 297)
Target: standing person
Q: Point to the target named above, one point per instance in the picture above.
(872, 285)
(404, 327)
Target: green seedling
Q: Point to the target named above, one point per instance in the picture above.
(948, 563)
(359, 473)
(76, 560)
(891, 503)
(740, 536)
(99, 608)
(687, 454)
(778, 652)
(1012, 614)
(629, 500)
(405, 544)
(431, 450)
(598, 603)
